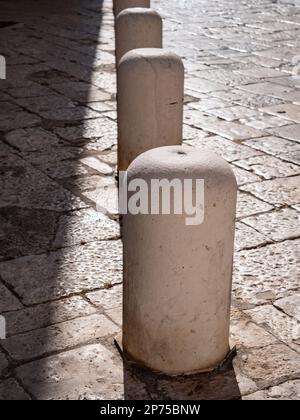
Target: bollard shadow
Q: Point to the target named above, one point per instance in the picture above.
(53, 114)
(221, 384)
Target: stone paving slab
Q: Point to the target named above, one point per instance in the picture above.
(59, 337)
(268, 167)
(80, 374)
(46, 277)
(8, 301)
(290, 305)
(266, 274)
(280, 364)
(11, 390)
(277, 225)
(279, 192)
(3, 364)
(46, 314)
(283, 327)
(61, 259)
(288, 391)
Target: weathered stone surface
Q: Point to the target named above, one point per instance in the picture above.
(26, 231)
(243, 176)
(95, 163)
(293, 157)
(18, 120)
(33, 140)
(260, 72)
(31, 90)
(101, 133)
(82, 227)
(8, 302)
(10, 390)
(43, 159)
(61, 169)
(116, 315)
(290, 305)
(46, 314)
(45, 103)
(107, 298)
(203, 85)
(99, 191)
(274, 145)
(268, 167)
(206, 103)
(247, 237)
(80, 374)
(81, 92)
(134, 387)
(193, 133)
(285, 328)
(266, 274)
(105, 200)
(69, 114)
(246, 385)
(59, 337)
(102, 106)
(3, 364)
(269, 89)
(223, 147)
(24, 186)
(233, 113)
(263, 122)
(247, 205)
(110, 158)
(289, 112)
(290, 132)
(284, 191)
(296, 207)
(247, 99)
(288, 391)
(72, 270)
(220, 385)
(268, 365)
(244, 333)
(230, 130)
(226, 77)
(277, 225)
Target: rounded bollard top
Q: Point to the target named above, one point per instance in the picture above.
(151, 56)
(135, 12)
(182, 162)
(120, 5)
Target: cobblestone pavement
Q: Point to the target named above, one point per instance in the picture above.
(60, 260)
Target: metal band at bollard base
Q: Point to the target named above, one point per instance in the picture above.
(120, 5)
(127, 358)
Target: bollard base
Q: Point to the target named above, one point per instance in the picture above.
(126, 359)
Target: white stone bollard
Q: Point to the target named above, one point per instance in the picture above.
(120, 5)
(150, 102)
(177, 277)
(137, 28)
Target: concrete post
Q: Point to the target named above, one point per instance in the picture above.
(150, 102)
(120, 5)
(177, 277)
(137, 28)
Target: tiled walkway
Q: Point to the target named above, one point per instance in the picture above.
(60, 260)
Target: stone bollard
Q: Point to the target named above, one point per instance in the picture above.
(150, 102)
(120, 5)
(178, 269)
(137, 28)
